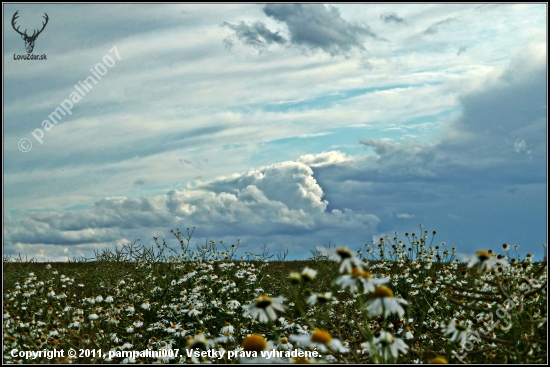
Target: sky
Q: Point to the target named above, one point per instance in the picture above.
(283, 126)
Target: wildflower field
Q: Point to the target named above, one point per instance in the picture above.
(401, 300)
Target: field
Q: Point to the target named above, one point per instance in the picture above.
(396, 301)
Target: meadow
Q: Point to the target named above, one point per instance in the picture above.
(398, 300)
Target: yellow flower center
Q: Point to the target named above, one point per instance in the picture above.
(344, 253)
(263, 301)
(382, 292)
(192, 344)
(255, 343)
(356, 272)
(295, 277)
(483, 255)
(322, 298)
(366, 274)
(321, 336)
(438, 360)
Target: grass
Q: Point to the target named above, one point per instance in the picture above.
(137, 298)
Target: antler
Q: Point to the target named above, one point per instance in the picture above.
(15, 16)
(34, 35)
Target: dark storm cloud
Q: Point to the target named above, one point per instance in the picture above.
(495, 149)
(319, 27)
(255, 34)
(500, 138)
(392, 17)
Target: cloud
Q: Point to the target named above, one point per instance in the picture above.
(392, 17)
(381, 147)
(411, 158)
(265, 203)
(405, 215)
(505, 116)
(324, 159)
(435, 27)
(313, 26)
(498, 121)
(519, 145)
(496, 147)
(461, 50)
(460, 175)
(468, 173)
(290, 183)
(255, 34)
(318, 27)
(224, 113)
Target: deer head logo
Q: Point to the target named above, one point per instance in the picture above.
(29, 40)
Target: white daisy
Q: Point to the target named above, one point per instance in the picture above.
(485, 260)
(458, 330)
(285, 344)
(194, 311)
(369, 283)
(320, 298)
(115, 338)
(173, 328)
(302, 329)
(385, 303)
(224, 338)
(227, 328)
(180, 332)
(387, 344)
(199, 342)
(257, 343)
(263, 308)
(233, 304)
(343, 255)
(322, 340)
(308, 274)
(408, 333)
